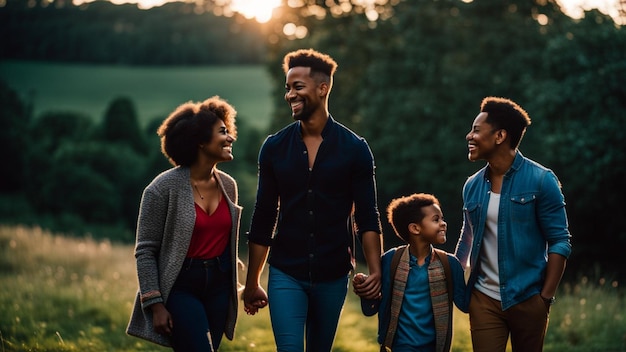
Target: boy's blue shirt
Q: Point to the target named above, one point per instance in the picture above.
(419, 295)
(532, 223)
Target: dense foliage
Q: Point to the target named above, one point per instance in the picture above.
(410, 82)
(100, 32)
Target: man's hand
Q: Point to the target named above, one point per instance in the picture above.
(254, 298)
(367, 286)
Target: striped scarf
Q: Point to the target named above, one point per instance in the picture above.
(441, 304)
(442, 307)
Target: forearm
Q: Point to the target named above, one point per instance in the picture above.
(257, 255)
(554, 273)
(372, 250)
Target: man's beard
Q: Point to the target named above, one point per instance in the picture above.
(304, 115)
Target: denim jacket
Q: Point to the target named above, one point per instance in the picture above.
(532, 223)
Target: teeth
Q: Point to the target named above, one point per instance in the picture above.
(294, 105)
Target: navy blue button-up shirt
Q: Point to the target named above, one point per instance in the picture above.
(303, 214)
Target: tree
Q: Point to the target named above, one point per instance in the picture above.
(121, 125)
(581, 103)
(14, 121)
(47, 133)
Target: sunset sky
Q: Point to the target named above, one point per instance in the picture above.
(262, 9)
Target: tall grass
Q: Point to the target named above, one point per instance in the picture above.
(66, 294)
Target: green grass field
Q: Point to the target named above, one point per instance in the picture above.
(156, 91)
(66, 294)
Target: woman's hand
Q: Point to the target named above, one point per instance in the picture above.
(161, 319)
(254, 299)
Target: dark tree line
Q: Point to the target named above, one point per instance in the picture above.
(100, 32)
(69, 174)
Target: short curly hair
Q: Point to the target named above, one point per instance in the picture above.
(407, 210)
(322, 66)
(503, 113)
(190, 125)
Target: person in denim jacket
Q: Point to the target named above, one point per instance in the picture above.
(515, 233)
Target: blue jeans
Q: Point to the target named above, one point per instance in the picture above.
(297, 306)
(198, 304)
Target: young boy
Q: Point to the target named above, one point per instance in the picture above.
(415, 309)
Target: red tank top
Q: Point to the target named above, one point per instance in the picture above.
(211, 233)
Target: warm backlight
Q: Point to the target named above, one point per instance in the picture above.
(261, 10)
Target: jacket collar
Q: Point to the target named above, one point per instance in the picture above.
(517, 163)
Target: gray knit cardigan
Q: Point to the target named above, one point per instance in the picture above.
(166, 220)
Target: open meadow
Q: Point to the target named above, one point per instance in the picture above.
(155, 91)
(70, 294)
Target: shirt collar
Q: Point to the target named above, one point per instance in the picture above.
(327, 127)
(413, 259)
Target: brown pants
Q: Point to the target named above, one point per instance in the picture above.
(526, 322)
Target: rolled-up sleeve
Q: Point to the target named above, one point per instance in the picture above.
(553, 216)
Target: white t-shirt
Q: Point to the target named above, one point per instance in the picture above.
(488, 276)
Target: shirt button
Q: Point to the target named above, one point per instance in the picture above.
(310, 212)
(311, 234)
(311, 255)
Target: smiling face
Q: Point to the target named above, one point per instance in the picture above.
(220, 148)
(481, 140)
(303, 93)
(433, 227)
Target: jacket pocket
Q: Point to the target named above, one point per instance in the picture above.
(523, 206)
(471, 211)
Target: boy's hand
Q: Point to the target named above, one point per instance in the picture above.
(357, 281)
(369, 304)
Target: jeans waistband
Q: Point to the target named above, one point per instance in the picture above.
(189, 262)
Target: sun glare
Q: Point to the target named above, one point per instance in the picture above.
(576, 8)
(261, 10)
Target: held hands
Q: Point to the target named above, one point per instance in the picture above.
(254, 299)
(367, 287)
(161, 319)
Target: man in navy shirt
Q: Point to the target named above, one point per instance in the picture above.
(312, 175)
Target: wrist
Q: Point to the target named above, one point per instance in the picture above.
(549, 300)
